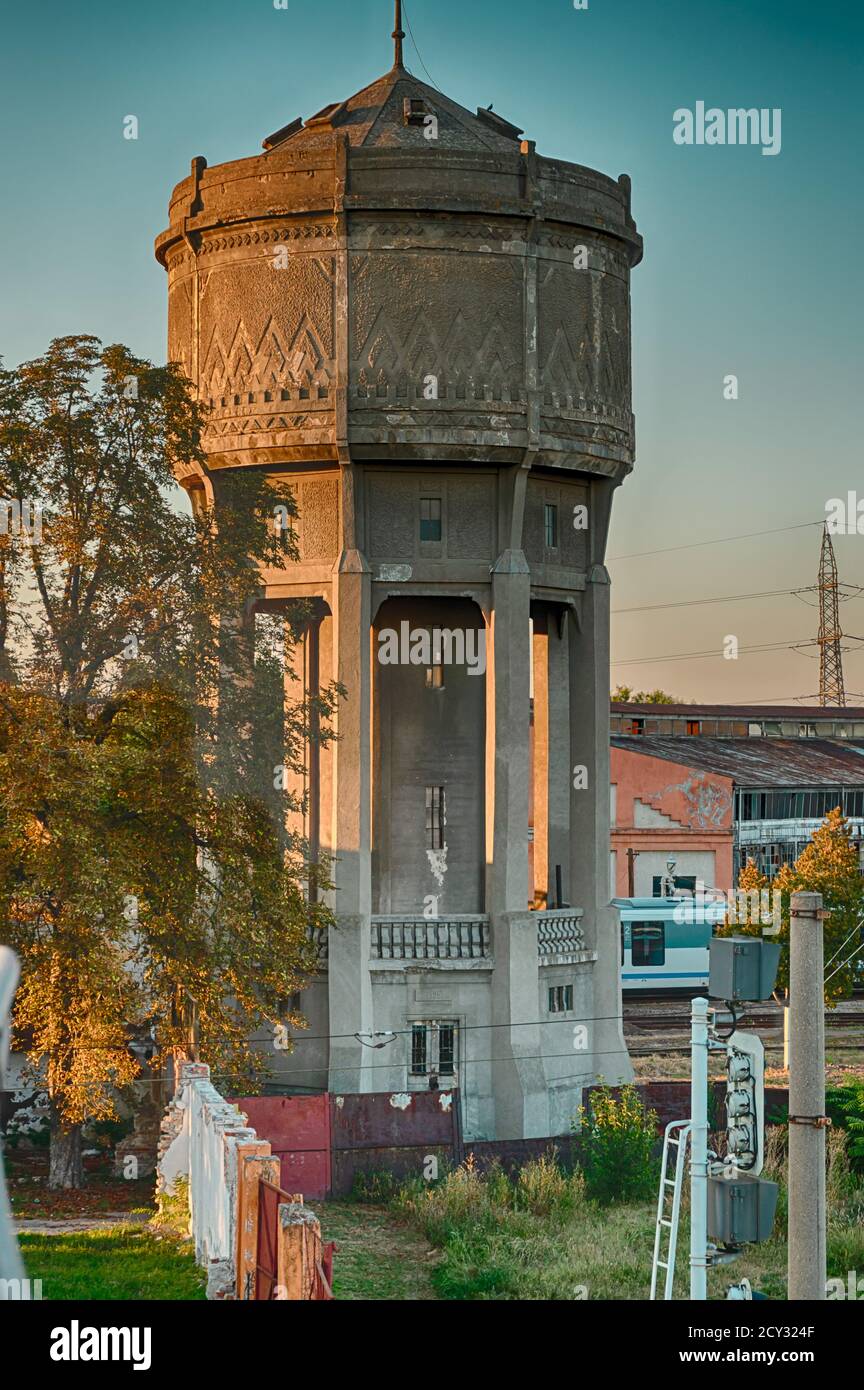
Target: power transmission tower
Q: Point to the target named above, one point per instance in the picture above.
(831, 689)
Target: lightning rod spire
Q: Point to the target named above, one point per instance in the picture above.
(398, 35)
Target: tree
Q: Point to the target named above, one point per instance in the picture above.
(828, 865)
(626, 695)
(146, 877)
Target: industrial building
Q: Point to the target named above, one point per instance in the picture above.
(710, 804)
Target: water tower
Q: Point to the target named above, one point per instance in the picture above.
(423, 324)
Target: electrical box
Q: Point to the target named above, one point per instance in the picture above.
(741, 1209)
(742, 967)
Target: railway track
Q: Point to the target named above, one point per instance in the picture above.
(660, 1024)
(664, 1022)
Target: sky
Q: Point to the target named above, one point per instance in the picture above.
(751, 263)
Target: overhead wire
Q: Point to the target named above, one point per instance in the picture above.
(719, 540)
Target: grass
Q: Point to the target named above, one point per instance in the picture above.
(124, 1262)
(541, 1238)
(378, 1256)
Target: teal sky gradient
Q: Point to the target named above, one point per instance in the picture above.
(751, 265)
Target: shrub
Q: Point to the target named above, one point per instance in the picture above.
(845, 1106)
(172, 1209)
(543, 1189)
(618, 1138)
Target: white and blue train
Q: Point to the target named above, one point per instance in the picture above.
(664, 941)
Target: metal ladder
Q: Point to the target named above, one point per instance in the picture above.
(677, 1144)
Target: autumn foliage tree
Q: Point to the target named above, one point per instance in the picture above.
(829, 865)
(626, 695)
(146, 877)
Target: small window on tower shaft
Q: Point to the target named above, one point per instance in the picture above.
(560, 999)
(430, 518)
(550, 524)
(434, 817)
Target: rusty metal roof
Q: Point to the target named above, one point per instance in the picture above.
(758, 762)
(809, 714)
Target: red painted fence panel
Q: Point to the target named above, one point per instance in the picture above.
(392, 1132)
(325, 1141)
(298, 1128)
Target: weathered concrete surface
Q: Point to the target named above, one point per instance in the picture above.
(401, 301)
(355, 257)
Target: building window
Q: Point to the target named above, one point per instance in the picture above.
(754, 729)
(648, 943)
(694, 726)
(550, 525)
(434, 817)
(637, 726)
(433, 1047)
(430, 518)
(560, 999)
(681, 881)
(806, 730)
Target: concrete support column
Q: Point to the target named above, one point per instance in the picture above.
(558, 684)
(540, 884)
(551, 777)
(589, 820)
(350, 988)
(518, 1084)
(507, 724)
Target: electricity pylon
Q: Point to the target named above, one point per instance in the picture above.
(831, 688)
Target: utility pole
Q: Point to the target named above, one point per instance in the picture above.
(831, 688)
(632, 856)
(807, 1268)
(699, 1150)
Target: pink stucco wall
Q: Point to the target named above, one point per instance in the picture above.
(699, 803)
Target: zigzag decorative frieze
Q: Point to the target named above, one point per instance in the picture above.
(218, 428)
(307, 232)
(464, 355)
(273, 361)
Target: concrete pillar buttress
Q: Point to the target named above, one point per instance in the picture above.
(558, 771)
(349, 981)
(539, 885)
(518, 1082)
(589, 820)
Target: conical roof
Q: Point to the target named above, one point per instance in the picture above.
(391, 112)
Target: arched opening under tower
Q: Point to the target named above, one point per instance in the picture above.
(429, 741)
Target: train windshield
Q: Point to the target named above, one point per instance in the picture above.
(648, 943)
